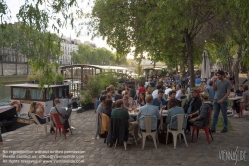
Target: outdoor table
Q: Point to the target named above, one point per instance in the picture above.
(235, 98)
(133, 113)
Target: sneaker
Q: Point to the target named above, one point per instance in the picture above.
(236, 116)
(213, 131)
(224, 131)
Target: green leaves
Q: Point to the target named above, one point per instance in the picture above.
(95, 56)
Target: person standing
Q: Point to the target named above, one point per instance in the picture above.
(222, 88)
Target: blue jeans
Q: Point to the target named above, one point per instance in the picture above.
(217, 108)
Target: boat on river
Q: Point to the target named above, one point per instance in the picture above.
(22, 95)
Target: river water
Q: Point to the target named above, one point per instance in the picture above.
(5, 90)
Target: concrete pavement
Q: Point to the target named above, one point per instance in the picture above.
(94, 152)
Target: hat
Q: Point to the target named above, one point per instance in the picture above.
(193, 90)
(205, 95)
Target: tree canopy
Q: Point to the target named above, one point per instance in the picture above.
(35, 17)
(95, 56)
(170, 31)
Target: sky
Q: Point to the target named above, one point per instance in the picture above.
(14, 6)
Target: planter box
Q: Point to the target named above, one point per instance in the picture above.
(88, 106)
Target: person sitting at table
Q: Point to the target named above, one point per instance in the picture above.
(174, 109)
(130, 99)
(193, 104)
(101, 106)
(149, 110)
(236, 103)
(148, 91)
(39, 113)
(33, 107)
(121, 112)
(159, 101)
(126, 103)
(203, 114)
(108, 108)
(118, 95)
(141, 89)
(141, 100)
(172, 95)
(155, 92)
(63, 113)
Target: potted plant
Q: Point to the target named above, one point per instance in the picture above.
(86, 100)
(59, 78)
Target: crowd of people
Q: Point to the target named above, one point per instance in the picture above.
(173, 94)
(156, 94)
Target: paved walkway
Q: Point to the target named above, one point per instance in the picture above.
(97, 153)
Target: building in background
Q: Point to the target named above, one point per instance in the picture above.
(67, 47)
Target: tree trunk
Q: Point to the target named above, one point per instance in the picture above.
(189, 49)
(183, 61)
(176, 66)
(236, 66)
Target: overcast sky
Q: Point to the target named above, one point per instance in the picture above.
(14, 6)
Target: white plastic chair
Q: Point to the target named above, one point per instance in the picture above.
(148, 122)
(180, 130)
(44, 126)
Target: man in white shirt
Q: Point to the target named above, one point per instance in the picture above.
(167, 90)
(155, 92)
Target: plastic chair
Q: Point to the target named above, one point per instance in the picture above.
(39, 125)
(206, 129)
(114, 135)
(148, 123)
(180, 130)
(59, 126)
(240, 112)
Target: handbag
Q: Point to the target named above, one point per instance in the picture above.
(66, 124)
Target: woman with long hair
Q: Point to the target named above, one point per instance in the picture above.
(108, 107)
(112, 90)
(141, 100)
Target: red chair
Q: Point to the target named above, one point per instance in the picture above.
(206, 129)
(59, 126)
(240, 112)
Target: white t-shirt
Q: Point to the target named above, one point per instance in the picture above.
(178, 94)
(155, 93)
(167, 91)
